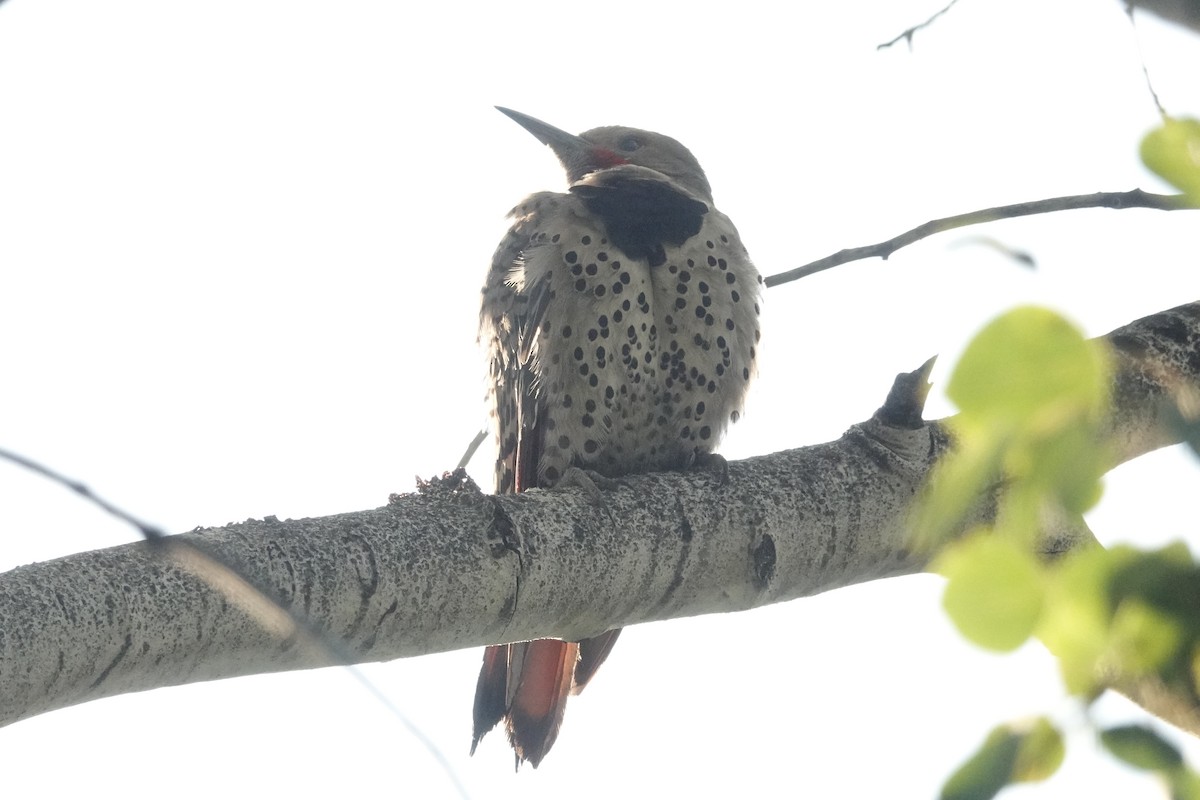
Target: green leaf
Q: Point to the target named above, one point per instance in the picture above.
(1155, 595)
(1023, 752)
(1040, 753)
(1168, 579)
(1065, 464)
(1122, 611)
(1075, 624)
(955, 486)
(1030, 388)
(1172, 151)
(1142, 639)
(1184, 783)
(994, 590)
(1141, 747)
(1029, 363)
(988, 771)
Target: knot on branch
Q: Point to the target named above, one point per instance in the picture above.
(763, 562)
(905, 403)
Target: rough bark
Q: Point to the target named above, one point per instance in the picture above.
(450, 567)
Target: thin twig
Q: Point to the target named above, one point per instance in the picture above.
(1132, 199)
(148, 531)
(1137, 43)
(471, 448)
(908, 34)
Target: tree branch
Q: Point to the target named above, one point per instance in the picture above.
(450, 567)
(1180, 12)
(1135, 198)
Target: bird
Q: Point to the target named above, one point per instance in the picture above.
(620, 321)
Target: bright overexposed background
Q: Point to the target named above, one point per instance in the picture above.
(240, 252)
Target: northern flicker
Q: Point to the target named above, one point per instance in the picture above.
(621, 325)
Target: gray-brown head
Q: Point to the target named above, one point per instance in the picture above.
(614, 145)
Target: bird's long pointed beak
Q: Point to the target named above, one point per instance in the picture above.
(546, 133)
(574, 152)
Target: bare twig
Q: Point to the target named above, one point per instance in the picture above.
(1131, 199)
(471, 448)
(907, 35)
(1137, 42)
(148, 531)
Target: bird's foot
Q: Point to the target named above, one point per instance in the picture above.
(711, 461)
(590, 481)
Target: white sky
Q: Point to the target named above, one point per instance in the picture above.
(240, 251)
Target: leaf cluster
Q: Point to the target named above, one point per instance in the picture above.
(1032, 397)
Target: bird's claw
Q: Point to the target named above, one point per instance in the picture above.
(711, 461)
(590, 481)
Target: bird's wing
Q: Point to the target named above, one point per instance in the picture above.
(510, 321)
(526, 683)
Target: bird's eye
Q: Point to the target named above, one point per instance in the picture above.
(629, 144)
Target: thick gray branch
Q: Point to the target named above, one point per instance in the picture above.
(452, 568)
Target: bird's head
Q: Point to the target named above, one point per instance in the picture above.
(614, 145)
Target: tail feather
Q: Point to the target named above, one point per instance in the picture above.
(592, 653)
(491, 693)
(544, 670)
(527, 685)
